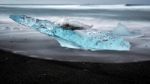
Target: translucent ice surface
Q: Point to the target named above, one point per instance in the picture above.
(87, 39)
(122, 30)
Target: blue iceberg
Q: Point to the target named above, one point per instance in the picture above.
(84, 39)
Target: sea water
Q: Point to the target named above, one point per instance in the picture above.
(102, 17)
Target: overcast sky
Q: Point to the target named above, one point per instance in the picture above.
(74, 1)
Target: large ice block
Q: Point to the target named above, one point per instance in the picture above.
(86, 39)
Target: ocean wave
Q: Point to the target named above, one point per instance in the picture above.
(81, 7)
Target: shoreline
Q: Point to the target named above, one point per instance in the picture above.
(21, 69)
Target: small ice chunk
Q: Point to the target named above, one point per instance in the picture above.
(122, 30)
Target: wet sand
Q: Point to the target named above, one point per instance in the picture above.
(20, 69)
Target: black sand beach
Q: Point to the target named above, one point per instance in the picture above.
(19, 69)
(29, 57)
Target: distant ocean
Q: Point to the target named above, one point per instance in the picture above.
(123, 12)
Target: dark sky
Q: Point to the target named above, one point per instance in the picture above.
(75, 2)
